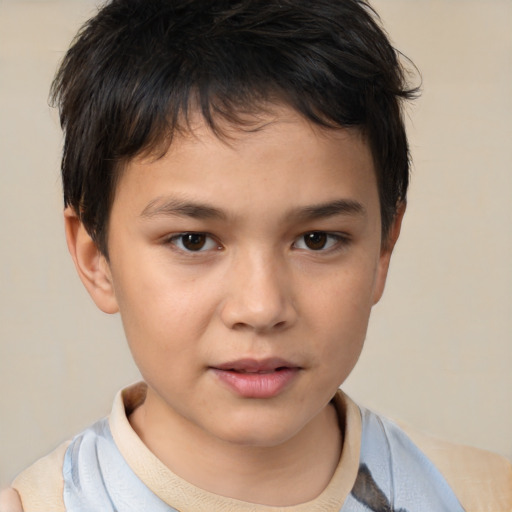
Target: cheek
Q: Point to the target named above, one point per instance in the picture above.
(346, 295)
(340, 311)
(164, 312)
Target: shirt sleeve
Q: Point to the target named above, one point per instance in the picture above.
(41, 485)
(481, 480)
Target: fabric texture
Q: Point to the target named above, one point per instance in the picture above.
(41, 485)
(107, 467)
(481, 480)
(392, 475)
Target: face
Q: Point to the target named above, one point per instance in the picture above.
(245, 271)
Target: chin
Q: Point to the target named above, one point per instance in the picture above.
(256, 430)
(250, 438)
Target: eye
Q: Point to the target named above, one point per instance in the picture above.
(319, 241)
(194, 242)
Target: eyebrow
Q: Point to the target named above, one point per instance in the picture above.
(181, 208)
(329, 209)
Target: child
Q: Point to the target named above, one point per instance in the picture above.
(235, 176)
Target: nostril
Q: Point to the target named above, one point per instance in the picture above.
(266, 314)
(241, 326)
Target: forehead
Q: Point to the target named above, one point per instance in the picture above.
(276, 157)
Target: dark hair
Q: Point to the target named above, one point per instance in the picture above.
(138, 68)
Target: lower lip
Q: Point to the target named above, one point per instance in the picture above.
(257, 385)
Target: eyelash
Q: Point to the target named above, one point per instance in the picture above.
(177, 240)
(335, 241)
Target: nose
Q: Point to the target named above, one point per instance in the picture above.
(259, 295)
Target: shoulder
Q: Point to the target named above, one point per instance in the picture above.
(481, 480)
(41, 485)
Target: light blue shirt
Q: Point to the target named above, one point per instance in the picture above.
(394, 475)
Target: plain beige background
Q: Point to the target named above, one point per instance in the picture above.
(439, 348)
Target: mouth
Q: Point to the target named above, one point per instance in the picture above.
(259, 372)
(251, 378)
(262, 366)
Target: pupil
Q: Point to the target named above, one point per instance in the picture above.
(194, 241)
(316, 240)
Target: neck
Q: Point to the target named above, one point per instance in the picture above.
(293, 472)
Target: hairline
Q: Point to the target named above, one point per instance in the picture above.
(158, 148)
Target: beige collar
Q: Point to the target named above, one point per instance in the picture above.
(186, 497)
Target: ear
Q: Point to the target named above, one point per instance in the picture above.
(386, 251)
(91, 265)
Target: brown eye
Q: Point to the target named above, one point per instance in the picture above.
(316, 240)
(193, 241)
(321, 241)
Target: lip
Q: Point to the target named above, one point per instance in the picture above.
(252, 378)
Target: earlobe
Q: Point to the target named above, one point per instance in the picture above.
(386, 251)
(91, 265)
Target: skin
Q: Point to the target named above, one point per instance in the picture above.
(255, 289)
(10, 501)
